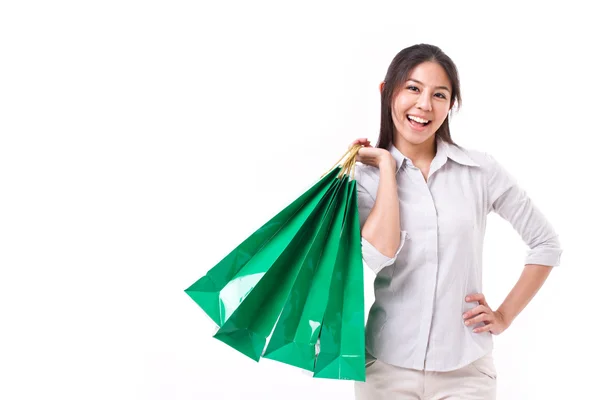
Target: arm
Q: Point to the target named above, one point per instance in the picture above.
(531, 280)
(382, 239)
(382, 227)
(513, 204)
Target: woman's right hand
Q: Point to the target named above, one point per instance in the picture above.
(372, 155)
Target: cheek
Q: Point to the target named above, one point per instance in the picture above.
(441, 113)
(400, 109)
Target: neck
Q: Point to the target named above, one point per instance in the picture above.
(417, 153)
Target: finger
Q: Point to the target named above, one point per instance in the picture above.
(479, 297)
(485, 328)
(362, 144)
(475, 311)
(354, 143)
(480, 318)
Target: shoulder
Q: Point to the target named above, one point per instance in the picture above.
(496, 176)
(483, 159)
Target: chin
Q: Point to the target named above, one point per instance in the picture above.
(417, 138)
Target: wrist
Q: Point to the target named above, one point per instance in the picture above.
(507, 317)
(386, 161)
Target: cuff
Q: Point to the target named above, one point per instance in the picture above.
(373, 257)
(549, 257)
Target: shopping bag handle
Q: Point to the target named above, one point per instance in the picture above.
(349, 162)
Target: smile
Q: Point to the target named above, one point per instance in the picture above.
(418, 121)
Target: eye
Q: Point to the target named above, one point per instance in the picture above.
(412, 88)
(441, 95)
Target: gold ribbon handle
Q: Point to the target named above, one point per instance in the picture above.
(348, 162)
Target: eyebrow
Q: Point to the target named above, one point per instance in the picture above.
(437, 87)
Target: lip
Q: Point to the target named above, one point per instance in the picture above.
(417, 128)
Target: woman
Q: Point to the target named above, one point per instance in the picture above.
(423, 203)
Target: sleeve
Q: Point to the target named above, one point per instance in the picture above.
(372, 257)
(512, 203)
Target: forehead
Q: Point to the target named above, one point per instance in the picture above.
(430, 74)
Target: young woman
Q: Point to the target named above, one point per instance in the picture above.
(423, 202)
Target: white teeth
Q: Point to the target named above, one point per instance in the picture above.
(423, 121)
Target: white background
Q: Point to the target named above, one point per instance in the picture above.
(141, 141)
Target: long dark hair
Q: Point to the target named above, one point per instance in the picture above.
(397, 74)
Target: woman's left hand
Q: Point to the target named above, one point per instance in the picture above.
(494, 321)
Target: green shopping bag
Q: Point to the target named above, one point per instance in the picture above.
(342, 338)
(295, 336)
(217, 292)
(248, 327)
(279, 281)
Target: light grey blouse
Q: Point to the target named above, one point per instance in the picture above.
(416, 319)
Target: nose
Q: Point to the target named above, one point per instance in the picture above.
(424, 102)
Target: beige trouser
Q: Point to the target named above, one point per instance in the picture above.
(476, 381)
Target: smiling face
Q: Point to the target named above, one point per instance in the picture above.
(421, 104)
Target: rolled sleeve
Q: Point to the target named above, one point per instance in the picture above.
(513, 204)
(372, 257)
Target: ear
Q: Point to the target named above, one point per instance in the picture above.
(381, 85)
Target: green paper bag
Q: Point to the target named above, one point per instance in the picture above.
(248, 327)
(220, 291)
(297, 331)
(342, 338)
(297, 282)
